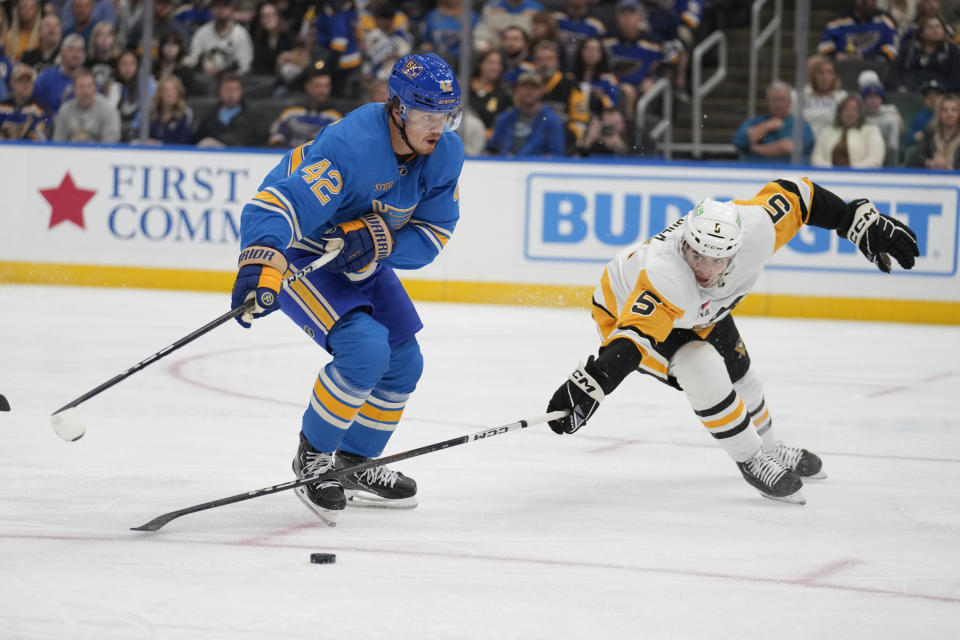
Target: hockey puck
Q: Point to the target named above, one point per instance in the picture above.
(323, 558)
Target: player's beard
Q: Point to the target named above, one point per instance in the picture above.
(422, 146)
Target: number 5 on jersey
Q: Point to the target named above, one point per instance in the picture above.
(314, 176)
(646, 303)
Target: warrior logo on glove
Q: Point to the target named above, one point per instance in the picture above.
(258, 282)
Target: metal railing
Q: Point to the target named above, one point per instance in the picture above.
(663, 129)
(702, 88)
(757, 40)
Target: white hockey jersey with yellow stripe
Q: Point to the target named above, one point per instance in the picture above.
(648, 290)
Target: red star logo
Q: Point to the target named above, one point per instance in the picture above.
(67, 202)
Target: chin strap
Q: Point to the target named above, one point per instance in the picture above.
(402, 128)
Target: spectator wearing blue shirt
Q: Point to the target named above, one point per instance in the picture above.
(769, 138)
(529, 128)
(636, 53)
(55, 85)
(933, 92)
(21, 118)
(441, 33)
(575, 24)
(862, 34)
(6, 68)
(79, 17)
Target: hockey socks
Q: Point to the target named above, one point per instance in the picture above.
(375, 423)
(334, 405)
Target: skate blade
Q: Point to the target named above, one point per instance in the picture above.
(794, 498)
(327, 516)
(369, 501)
(819, 475)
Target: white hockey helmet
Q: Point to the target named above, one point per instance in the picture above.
(713, 229)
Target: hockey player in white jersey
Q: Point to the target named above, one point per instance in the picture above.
(663, 307)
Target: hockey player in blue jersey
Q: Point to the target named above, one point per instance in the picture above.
(382, 181)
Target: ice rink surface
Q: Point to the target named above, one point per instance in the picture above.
(638, 526)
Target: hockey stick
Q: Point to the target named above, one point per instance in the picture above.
(160, 521)
(70, 428)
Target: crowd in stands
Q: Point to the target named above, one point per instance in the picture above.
(876, 63)
(554, 78)
(549, 77)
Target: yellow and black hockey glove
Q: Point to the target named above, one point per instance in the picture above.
(259, 278)
(365, 240)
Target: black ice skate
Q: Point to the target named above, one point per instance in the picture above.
(772, 479)
(802, 462)
(376, 486)
(324, 498)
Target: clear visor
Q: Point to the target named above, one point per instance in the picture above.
(432, 120)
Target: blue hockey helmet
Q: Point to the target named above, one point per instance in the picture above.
(425, 82)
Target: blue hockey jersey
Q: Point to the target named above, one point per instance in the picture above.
(348, 170)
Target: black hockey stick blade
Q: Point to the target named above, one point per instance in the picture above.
(160, 521)
(4, 405)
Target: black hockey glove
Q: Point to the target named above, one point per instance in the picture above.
(580, 395)
(877, 235)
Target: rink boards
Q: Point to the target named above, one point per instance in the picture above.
(533, 233)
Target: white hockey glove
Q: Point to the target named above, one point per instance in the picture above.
(877, 235)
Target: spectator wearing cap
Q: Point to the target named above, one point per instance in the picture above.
(222, 45)
(45, 54)
(300, 124)
(497, 15)
(55, 85)
(21, 118)
(850, 141)
(87, 116)
(164, 23)
(529, 127)
(885, 116)
(933, 92)
(928, 55)
(939, 146)
(768, 138)
(637, 55)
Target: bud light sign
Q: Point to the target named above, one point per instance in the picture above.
(589, 218)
